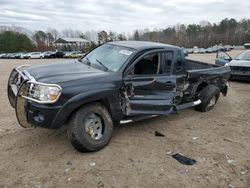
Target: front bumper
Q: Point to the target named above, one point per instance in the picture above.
(240, 73)
(28, 113)
(240, 77)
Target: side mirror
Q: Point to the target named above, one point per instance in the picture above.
(186, 54)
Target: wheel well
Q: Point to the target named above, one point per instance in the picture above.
(201, 86)
(104, 102)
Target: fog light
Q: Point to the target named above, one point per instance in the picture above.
(38, 117)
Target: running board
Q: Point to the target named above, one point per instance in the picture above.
(134, 119)
(188, 105)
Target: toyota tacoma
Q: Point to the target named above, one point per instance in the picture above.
(117, 81)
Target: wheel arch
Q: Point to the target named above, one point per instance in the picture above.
(200, 87)
(107, 99)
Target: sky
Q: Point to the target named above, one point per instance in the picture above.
(117, 15)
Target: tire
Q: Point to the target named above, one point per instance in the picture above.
(209, 97)
(90, 128)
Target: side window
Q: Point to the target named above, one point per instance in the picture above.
(223, 56)
(148, 65)
(168, 62)
(179, 64)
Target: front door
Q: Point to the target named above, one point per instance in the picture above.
(222, 58)
(150, 88)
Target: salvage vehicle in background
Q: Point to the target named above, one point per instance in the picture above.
(240, 66)
(76, 54)
(67, 54)
(57, 54)
(117, 81)
(247, 45)
(47, 54)
(34, 55)
(18, 55)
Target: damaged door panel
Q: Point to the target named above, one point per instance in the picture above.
(150, 88)
(150, 95)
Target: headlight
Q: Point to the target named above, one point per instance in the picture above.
(42, 93)
(226, 65)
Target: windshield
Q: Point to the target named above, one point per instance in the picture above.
(244, 56)
(108, 57)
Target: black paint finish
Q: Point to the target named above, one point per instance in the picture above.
(123, 93)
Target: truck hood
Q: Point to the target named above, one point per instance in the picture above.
(239, 63)
(63, 72)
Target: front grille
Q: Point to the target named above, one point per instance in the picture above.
(235, 68)
(240, 70)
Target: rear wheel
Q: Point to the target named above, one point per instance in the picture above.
(209, 97)
(90, 128)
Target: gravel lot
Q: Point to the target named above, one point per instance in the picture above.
(135, 157)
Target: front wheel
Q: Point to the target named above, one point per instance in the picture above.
(90, 128)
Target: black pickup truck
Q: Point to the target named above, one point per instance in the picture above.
(117, 81)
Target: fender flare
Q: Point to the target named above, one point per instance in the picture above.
(75, 102)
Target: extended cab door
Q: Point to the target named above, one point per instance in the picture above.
(222, 58)
(149, 86)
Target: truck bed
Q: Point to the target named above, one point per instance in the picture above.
(197, 69)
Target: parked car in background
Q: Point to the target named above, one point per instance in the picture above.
(67, 54)
(228, 47)
(6, 56)
(26, 55)
(58, 54)
(2, 55)
(202, 50)
(247, 45)
(195, 50)
(76, 54)
(11, 55)
(18, 55)
(35, 55)
(240, 66)
(189, 50)
(47, 54)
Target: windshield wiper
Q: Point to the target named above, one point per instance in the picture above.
(88, 62)
(106, 68)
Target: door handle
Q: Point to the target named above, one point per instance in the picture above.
(169, 84)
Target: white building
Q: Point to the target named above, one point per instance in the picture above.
(69, 44)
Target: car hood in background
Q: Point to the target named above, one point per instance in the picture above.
(239, 63)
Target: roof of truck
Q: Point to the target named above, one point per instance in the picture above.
(141, 45)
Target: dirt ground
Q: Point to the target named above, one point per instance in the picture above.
(218, 140)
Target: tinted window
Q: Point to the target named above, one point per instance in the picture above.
(168, 62)
(179, 64)
(223, 56)
(244, 56)
(148, 65)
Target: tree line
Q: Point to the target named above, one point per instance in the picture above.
(204, 34)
